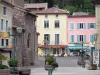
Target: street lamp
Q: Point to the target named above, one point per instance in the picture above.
(95, 39)
(82, 51)
(45, 44)
(19, 31)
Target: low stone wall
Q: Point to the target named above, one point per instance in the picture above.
(4, 71)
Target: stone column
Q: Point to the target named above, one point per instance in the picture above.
(98, 26)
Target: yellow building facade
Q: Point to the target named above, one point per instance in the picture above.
(52, 26)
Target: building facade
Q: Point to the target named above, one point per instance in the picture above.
(81, 31)
(51, 24)
(5, 22)
(25, 42)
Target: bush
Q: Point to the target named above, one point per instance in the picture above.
(49, 60)
(54, 64)
(3, 67)
(13, 62)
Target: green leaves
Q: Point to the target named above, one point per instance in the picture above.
(70, 8)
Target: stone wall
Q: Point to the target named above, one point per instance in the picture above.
(98, 26)
(25, 47)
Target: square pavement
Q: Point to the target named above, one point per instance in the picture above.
(65, 71)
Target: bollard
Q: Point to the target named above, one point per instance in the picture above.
(50, 72)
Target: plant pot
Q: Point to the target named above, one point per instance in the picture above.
(4, 71)
(47, 67)
(94, 67)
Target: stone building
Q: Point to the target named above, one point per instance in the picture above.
(97, 8)
(25, 44)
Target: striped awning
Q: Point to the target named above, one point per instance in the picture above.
(52, 46)
(77, 47)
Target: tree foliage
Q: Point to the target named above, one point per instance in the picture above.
(75, 5)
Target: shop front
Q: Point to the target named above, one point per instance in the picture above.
(54, 50)
(75, 50)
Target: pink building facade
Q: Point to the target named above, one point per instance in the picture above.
(81, 30)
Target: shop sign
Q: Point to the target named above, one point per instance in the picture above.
(96, 57)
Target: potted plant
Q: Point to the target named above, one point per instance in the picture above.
(13, 63)
(54, 64)
(50, 63)
(93, 66)
(3, 68)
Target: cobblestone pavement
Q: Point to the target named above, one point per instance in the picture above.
(66, 71)
(67, 66)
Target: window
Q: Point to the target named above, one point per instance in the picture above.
(72, 38)
(29, 40)
(6, 25)
(2, 21)
(56, 23)
(47, 39)
(2, 42)
(71, 26)
(81, 26)
(46, 24)
(7, 42)
(91, 38)
(81, 38)
(56, 39)
(57, 15)
(91, 25)
(46, 16)
(4, 10)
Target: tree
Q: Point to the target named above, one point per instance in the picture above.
(70, 8)
(2, 58)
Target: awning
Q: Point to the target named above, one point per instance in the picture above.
(77, 47)
(4, 34)
(52, 46)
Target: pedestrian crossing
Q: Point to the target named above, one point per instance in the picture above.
(65, 71)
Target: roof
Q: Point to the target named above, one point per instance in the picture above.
(80, 13)
(96, 2)
(6, 2)
(75, 16)
(52, 10)
(36, 5)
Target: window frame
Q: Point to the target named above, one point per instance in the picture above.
(57, 39)
(47, 38)
(57, 23)
(46, 23)
(2, 24)
(4, 10)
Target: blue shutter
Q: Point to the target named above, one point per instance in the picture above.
(88, 25)
(73, 38)
(77, 38)
(91, 38)
(84, 26)
(84, 38)
(94, 25)
(77, 25)
(70, 38)
(71, 26)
